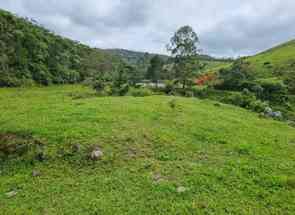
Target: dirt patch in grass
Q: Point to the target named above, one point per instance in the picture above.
(18, 144)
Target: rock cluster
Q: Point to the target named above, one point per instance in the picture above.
(268, 112)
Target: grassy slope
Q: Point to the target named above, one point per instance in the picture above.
(229, 160)
(214, 66)
(281, 59)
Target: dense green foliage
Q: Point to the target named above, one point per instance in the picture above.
(154, 72)
(184, 48)
(31, 54)
(162, 155)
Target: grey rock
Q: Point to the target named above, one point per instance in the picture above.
(96, 154)
(76, 148)
(278, 115)
(11, 194)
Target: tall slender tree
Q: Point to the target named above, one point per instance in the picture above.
(184, 49)
(155, 68)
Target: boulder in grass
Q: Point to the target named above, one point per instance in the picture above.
(278, 115)
(96, 154)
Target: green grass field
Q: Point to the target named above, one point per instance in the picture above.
(198, 158)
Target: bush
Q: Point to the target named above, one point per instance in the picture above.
(290, 82)
(119, 90)
(241, 99)
(170, 87)
(247, 100)
(258, 106)
(273, 90)
(9, 81)
(140, 92)
(98, 85)
(200, 92)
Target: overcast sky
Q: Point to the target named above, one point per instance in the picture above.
(225, 27)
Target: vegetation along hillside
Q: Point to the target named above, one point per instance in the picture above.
(157, 155)
(31, 54)
(142, 59)
(264, 80)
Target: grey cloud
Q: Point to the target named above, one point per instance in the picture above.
(226, 28)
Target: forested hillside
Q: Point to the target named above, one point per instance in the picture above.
(31, 54)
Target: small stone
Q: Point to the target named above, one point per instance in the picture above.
(278, 115)
(76, 148)
(96, 154)
(181, 189)
(36, 173)
(11, 194)
(157, 178)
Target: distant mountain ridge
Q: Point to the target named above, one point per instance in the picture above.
(137, 56)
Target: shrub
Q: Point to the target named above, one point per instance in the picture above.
(241, 99)
(258, 106)
(247, 100)
(7, 80)
(273, 90)
(140, 92)
(121, 91)
(232, 78)
(98, 85)
(170, 87)
(200, 92)
(290, 82)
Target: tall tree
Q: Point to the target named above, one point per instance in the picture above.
(184, 49)
(155, 68)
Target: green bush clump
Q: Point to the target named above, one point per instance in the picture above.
(274, 90)
(247, 100)
(170, 87)
(200, 92)
(258, 106)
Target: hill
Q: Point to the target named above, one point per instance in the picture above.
(31, 54)
(135, 57)
(142, 59)
(275, 62)
(198, 158)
